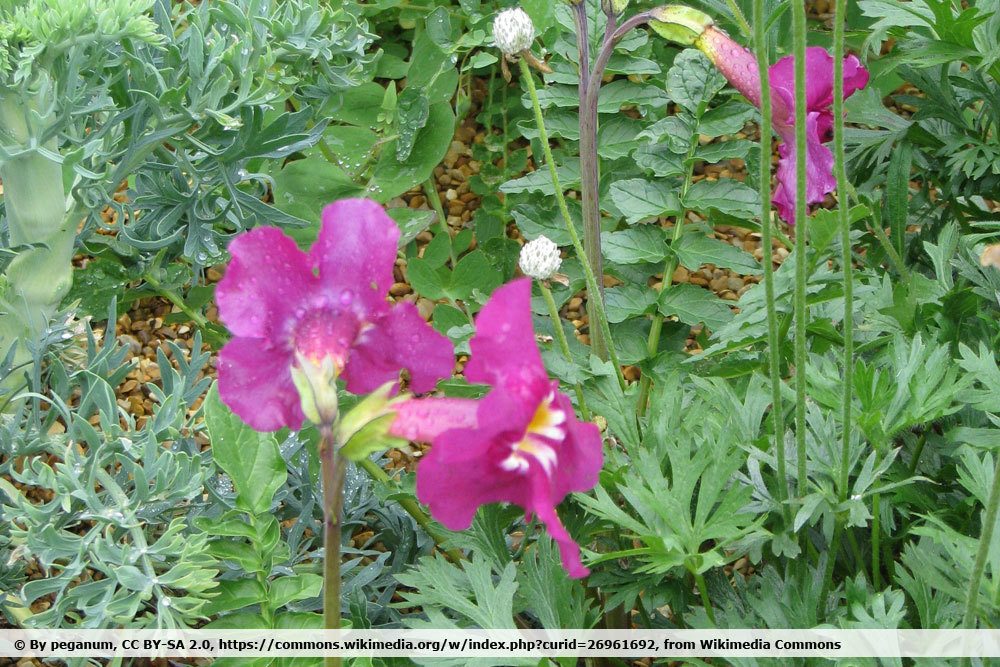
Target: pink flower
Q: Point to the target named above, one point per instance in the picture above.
(739, 66)
(520, 444)
(327, 307)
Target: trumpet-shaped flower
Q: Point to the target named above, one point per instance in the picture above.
(739, 66)
(520, 444)
(296, 316)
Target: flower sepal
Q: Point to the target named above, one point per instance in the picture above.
(364, 429)
(679, 24)
(316, 383)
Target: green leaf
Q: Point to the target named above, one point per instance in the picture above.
(728, 196)
(251, 459)
(393, 177)
(96, 284)
(290, 589)
(642, 243)
(133, 579)
(425, 279)
(628, 301)
(540, 180)
(616, 137)
(728, 118)
(723, 150)
(897, 194)
(675, 132)
(473, 272)
(303, 187)
(235, 594)
(693, 81)
(411, 222)
(694, 305)
(412, 111)
(694, 249)
(659, 159)
(638, 199)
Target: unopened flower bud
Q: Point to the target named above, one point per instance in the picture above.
(679, 24)
(513, 31)
(316, 382)
(540, 258)
(615, 7)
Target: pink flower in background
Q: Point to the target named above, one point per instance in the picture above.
(286, 308)
(521, 444)
(739, 66)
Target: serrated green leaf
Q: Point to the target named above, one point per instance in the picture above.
(638, 199)
(642, 243)
(727, 195)
(694, 305)
(628, 301)
(694, 249)
(692, 81)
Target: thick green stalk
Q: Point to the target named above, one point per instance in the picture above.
(840, 173)
(801, 224)
(983, 552)
(563, 343)
(773, 339)
(593, 288)
(35, 200)
(332, 470)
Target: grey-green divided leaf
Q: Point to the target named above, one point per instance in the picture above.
(694, 249)
(251, 459)
(693, 81)
(628, 301)
(694, 305)
(728, 196)
(638, 199)
(643, 243)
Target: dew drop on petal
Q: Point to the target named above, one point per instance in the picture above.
(346, 297)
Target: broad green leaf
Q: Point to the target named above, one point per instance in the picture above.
(425, 279)
(616, 137)
(623, 93)
(303, 187)
(659, 159)
(298, 587)
(638, 199)
(392, 177)
(694, 305)
(692, 81)
(728, 196)
(628, 301)
(474, 272)
(251, 459)
(694, 249)
(235, 594)
(674, 132)
(642, 243)
(723, 150)
(412, 111)
(728, 118)
(411, 222)
(540, 180)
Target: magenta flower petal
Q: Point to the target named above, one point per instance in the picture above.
(254, 381)
(504, 352)
(355, 253)
(266, 278)
(424, 419)
(399, 339)
(739, 66)
(581, 456)
(569, 550)
(323, 313)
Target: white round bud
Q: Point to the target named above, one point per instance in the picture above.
(513, 31)
(539, 258)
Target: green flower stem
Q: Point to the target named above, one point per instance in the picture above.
(593, 289)
(563, 343)
(703, 591)
(176, 300)
(876, 535)
(801, 241)
(430, 189)
(741, 20)
(411, 507)
(766, 226)
(982, 553)
(332, 470)
(846, 259)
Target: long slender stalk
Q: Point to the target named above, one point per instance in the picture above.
(563, 343)
(412, 508)
(332, 468)
(430, 190)
(590, 91)
(876, 539)
(705, 600)
(846, 259)
(593, 288)
(801, 241)
(773, 339)
(985, 540)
